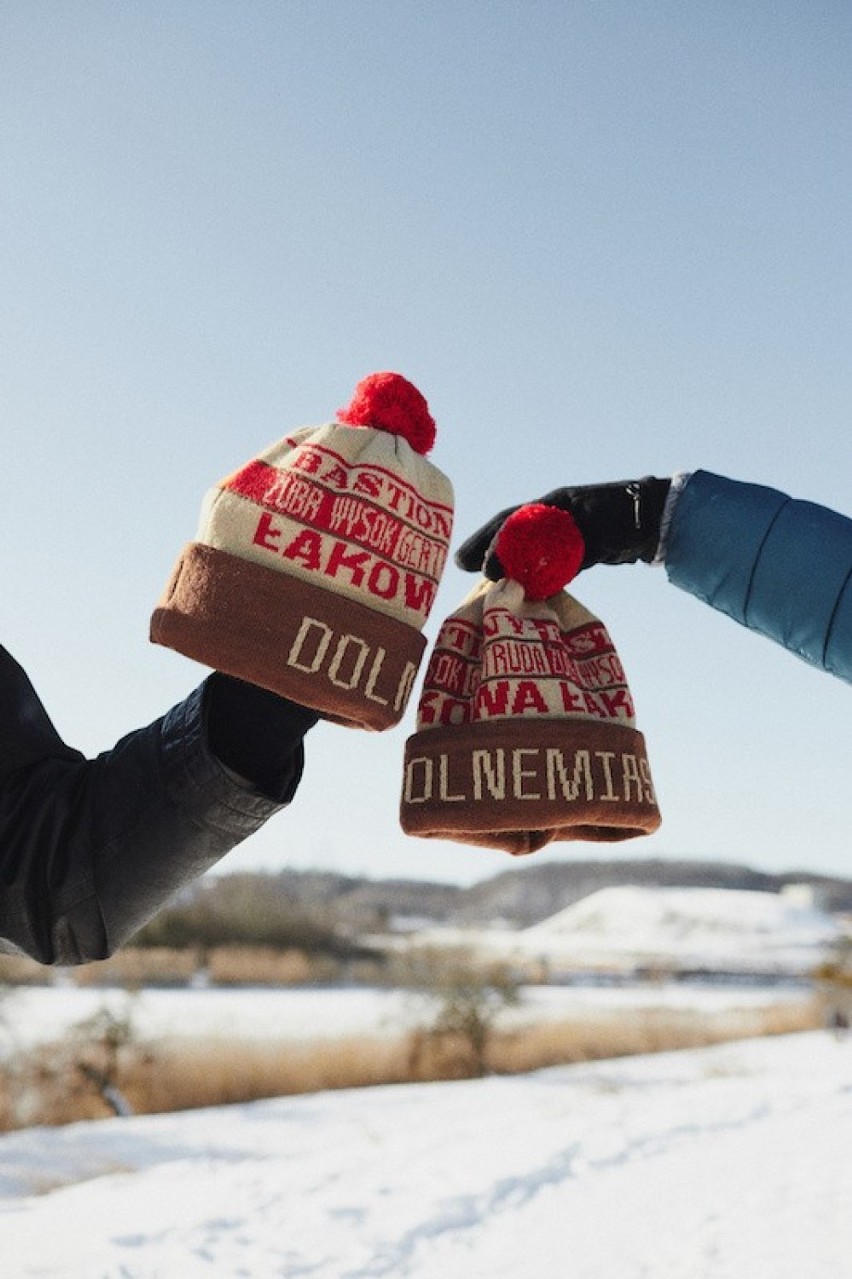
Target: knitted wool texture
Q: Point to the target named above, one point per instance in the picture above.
(525, 730)
(314, 570)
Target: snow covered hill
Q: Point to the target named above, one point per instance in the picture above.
(715, 1164)
(716, 929)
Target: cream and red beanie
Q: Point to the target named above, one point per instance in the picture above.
(315, 565)
(525, 728)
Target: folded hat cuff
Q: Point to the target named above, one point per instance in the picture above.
(518, 784)
(352, 664)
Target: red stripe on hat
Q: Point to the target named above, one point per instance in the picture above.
(252, 481)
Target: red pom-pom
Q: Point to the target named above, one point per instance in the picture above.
(541, 547)
(389, 402)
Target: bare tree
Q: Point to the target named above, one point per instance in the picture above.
(464, 999)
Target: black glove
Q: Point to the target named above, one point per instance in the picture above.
(257, 734)
(620, 524)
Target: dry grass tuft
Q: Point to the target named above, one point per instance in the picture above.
(263, 966)
(216, 1073)
(135, 968)
(54, 1085)
(18, 970)
(654, 1030)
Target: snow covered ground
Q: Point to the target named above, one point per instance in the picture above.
(33, 1015)
(733, 1162)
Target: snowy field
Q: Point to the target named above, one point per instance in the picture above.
(733, 1162)
(29, 1016)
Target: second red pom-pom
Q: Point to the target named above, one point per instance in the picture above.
(540, 547)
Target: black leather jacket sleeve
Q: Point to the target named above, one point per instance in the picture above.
(91, 849)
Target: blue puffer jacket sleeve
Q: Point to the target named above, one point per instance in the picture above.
(779, 566)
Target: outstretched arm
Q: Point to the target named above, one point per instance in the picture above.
(90, 850)
(779, 566)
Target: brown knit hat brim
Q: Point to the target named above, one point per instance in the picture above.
(352, 664)
(498, 785)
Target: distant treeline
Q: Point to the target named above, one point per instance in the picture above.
(321, 912)
(246, 909)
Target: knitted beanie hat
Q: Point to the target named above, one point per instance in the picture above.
(525, 728)
(315, 565)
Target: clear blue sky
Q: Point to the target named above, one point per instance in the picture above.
(604, 238)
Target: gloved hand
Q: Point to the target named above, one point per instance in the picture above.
(620, 524)
(256, 734)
